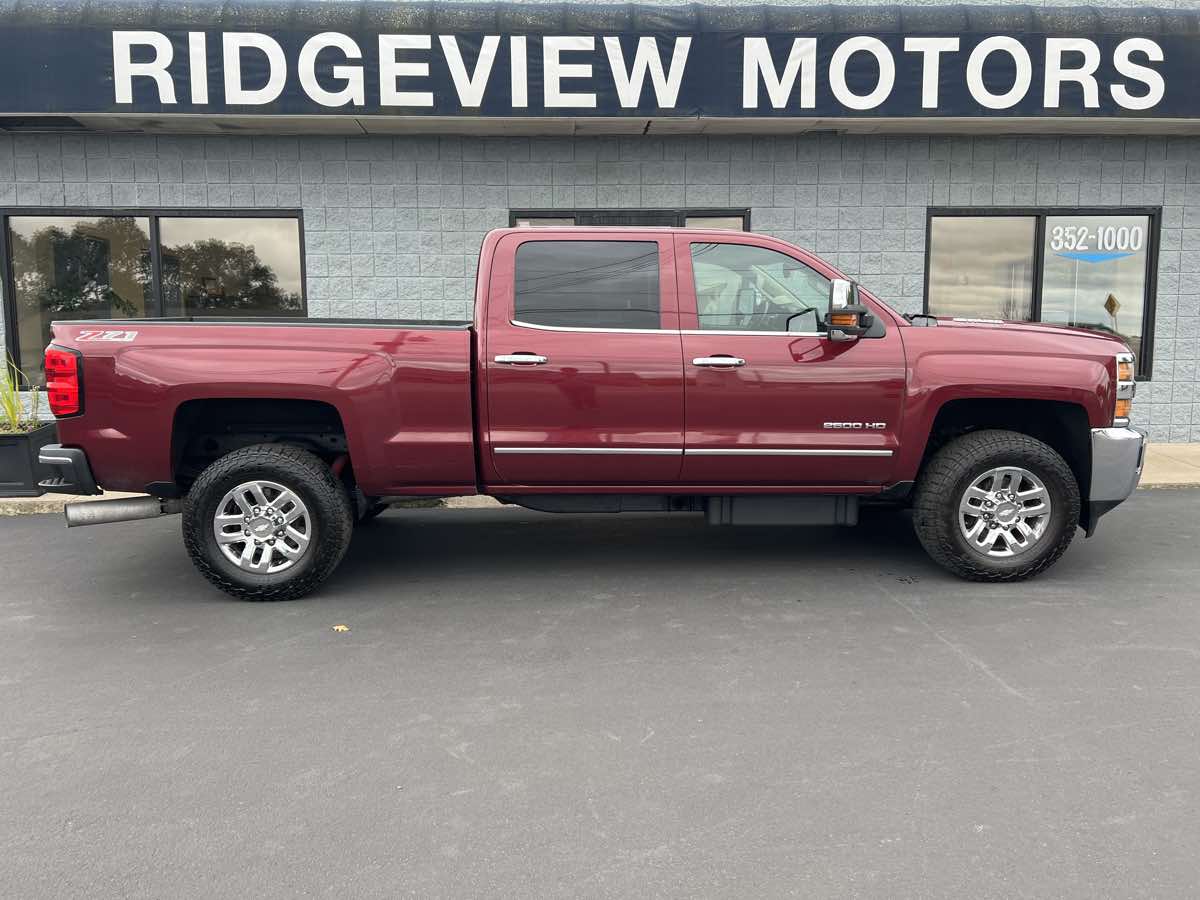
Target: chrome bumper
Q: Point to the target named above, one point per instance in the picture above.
(1117, 457)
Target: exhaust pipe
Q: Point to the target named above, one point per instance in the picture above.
(121, 509)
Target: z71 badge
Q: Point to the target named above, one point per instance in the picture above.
(124, 336)
(855, 426)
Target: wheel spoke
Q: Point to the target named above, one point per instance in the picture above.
(256, 491)
(283, 500)
(973, 500)
(263, 562)
(296, 512)
(289, 551)
(299, 537)
(978, 532)
(231, 537)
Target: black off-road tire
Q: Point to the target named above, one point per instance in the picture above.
(302, 472)
(955, 466)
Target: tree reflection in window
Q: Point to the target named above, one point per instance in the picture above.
(255, 274)
(73, 268)
(64, 266)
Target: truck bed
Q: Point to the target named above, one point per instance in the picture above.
(401, 390)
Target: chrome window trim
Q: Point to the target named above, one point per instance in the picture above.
(791, 334)
(699, 451)
(519, 324)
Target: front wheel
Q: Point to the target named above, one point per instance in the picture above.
(267, 522)
(996, 506)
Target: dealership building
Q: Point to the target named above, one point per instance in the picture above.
(346, 158)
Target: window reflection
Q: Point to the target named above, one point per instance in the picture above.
(723, 223)
(588, 284)
(981, 266)
(231, 266)
(1094, 274)
(745, 288)
(76, 267)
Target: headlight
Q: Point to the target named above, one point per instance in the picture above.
(1126, 389)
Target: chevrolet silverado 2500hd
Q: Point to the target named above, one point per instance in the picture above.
(606, 370)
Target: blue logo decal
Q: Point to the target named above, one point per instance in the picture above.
(1092, 257)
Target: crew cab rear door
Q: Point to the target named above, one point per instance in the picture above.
(766, 405)
(582, 357)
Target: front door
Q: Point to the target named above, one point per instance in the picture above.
(583, 363)
(769, 398)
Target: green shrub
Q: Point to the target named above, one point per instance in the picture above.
(16, 414)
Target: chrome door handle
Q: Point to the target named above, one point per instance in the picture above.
(719, 362)
(522, 359)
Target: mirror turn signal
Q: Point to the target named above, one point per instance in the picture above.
(846, 323)
(843, 319)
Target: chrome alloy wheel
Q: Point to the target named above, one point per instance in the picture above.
(1004, 512)
(262, 527)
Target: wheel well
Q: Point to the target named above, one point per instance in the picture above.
(1064, 426)
(205, 430)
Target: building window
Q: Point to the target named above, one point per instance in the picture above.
(1088, 269)
(543, 221)
(233, 267)
(110, 266)
(588, 284)
(726, 219)
(75, 267)
(981, 266)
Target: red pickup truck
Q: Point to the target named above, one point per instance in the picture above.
(606, 370)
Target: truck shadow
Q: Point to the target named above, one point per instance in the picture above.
(499, 542)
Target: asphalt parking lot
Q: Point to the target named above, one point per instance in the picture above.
(528, 705)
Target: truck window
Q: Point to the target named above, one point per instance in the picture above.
(588, 284)
(744, 288)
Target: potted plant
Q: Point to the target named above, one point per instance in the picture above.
(22, 435)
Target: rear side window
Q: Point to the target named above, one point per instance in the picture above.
(588, 284)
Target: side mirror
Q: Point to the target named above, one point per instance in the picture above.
(842, 293)
(847, 318)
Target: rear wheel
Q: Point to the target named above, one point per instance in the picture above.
(267, 522)
(996, 506)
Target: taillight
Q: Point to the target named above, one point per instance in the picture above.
(62, 381)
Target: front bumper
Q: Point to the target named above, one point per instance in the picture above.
(1117, 457)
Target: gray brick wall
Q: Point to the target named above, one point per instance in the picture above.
(392, 225)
